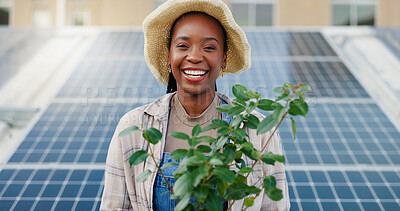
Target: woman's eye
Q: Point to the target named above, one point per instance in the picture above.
(210, 48)
(181, 46)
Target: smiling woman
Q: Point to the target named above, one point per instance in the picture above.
(188, 45)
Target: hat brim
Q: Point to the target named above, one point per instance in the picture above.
(157, 26)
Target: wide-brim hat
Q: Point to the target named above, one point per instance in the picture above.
(157, 26)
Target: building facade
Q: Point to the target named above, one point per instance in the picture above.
(56, 13)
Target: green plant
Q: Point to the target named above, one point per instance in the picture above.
(206, 170)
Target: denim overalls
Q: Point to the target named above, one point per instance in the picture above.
(161, 192)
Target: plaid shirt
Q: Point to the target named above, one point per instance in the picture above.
(122, 192)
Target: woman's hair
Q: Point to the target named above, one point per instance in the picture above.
(172, 87)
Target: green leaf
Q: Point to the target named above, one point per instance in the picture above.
(153, 135)
(293, 128)
(199, 174)
(279, 90)
(288, 85)
(239, 134)
(143, 176)
(128, 131)
(203, 149)
(251, 107)
(253, 94)
(236, 191)
(216, 161)
(252, 122)
(276, 157)
(245, 170)
(238, 102)
(178, 154)
(200, 193)
(213, 201)
(301, 95)
(267, 105)
(220, 142)
(267, 124)
(303, 87)
(221, 187)
(223, 131)
(179, 171)
(223, 108)
(237, 120)
(191, 161)
(240, 92)
(219, 123)
(196, 130)
(271, 190)
(278, 113)
(206, 139)
(253, 190)
(169, 165)
(179, 135)
(138, 157)
(283, 97)
(235, 110)
(224, 174)
(183, 185)
(256, 154)
(229, 153)
(248, 202)
(183, 203)
(298, 107)
(209, 127)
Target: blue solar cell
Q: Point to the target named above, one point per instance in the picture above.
(78, 175)
(328, 158)
(294, 206)
(64, 205)
(71, 190)
(32, 190)
(299, 176)
(59, 175)
(84, 205)
(395, 158)
(41, 175)
(90, 191)
(34, 157)
(68, 157)
(336, 176)
(363, 159)
(101, 158)
(96, 175)
(23, 175)
(318, 176)
(24, 205)
(330, 206)
(26, 145)
(43, 205)
(382, 192)
(345, 159)
(291, 192)
(373, 176)
(86, 157)
(6, 204)
(6, 174)
(350, 206)
(310, 206)
(390, 206)
(17, 157)
(305, 192)
(51, 190)
(91, 145)
(344, 192)
(51, 157)
(355, 176)
(391, 177)
(59, 145)
(13, 190)
(363, 192)
(370, 206)
(74, 145)
(324, 192)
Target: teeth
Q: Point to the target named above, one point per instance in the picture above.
(194, 73)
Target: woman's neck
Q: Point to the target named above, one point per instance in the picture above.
(195, 105)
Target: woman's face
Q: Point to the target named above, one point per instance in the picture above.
(196, 54)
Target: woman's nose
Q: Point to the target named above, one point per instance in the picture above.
(194, 56)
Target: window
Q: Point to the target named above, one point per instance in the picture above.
(253, 12)
(80, 17)
(41, 18)
(353, 12)
(4, 16)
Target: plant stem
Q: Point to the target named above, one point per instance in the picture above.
(158, 167)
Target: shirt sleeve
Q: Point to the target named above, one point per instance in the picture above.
(278, 171)
(115, 193)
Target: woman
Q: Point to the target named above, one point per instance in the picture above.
(188, 45)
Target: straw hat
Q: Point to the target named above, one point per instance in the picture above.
(157, 26)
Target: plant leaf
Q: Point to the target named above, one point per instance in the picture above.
(178, 154)
(267, 124)
(196, 130)
(240, 92)
(179, 135)
(252, 122)
(229, 153)
(200, 193)
(223, 108)
(219, 123)
(298, 107)
(251, 107)
(271, 190)
(153, 135)
(238, 102)
(248, 202)
(183, 203)
(220, 142)
(143, 176)
(237, 120)
(267, 105)
(203, 149)
(198, 174)
(224, 174)
(245, 170)
(128, 131)
(235, 110)
(293, 128)
(213, 201)
(253, 94)
(276, 157)
(169, 165)
(279, 90)
(138, 157)
(239, 134)
(236, 191)
(303, 87)
(183, 185)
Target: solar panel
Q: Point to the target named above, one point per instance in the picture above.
(345, 156)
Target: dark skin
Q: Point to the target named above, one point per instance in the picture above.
(196, 57)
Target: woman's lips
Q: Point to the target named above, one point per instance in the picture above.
(194, 75)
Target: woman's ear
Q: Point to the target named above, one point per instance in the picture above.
(224, 61)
